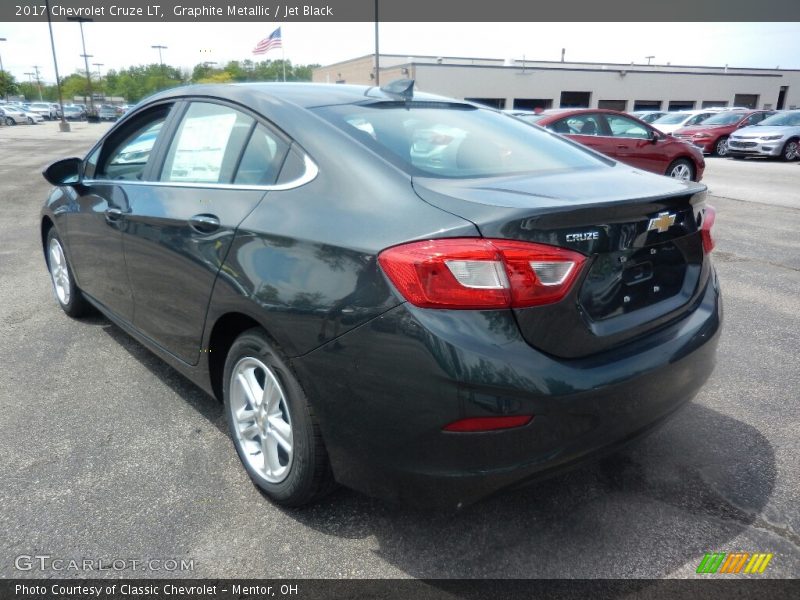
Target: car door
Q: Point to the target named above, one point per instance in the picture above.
(215, 169)
(94, 225)
(634, 143)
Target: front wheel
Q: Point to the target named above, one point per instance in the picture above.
(69, 296)
(721, 147)
(10, 121)
(681, 169)
(791, 151)
(272, 424)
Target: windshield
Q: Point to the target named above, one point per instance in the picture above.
(724, 119)
(790, 119)
(440, 139)
(530, 118)
(672, 119)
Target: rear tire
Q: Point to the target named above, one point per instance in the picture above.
(272, 424)
(681, 169)
(10, 121)
(721, 146)
(791, 150)
(67, 293)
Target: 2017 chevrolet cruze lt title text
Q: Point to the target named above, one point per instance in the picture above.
(410, 295)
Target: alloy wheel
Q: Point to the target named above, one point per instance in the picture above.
(59, 272)
(790, 151)
(722, 147)
(681, 171)
(262, 422)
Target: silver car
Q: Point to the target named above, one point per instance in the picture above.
(778, 135)
(12, 115)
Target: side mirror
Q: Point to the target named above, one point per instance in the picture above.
(654, 136)
(64, 172)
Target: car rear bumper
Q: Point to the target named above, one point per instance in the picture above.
(389, 386)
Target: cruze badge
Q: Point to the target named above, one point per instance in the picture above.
(662, 222)
(583, 237)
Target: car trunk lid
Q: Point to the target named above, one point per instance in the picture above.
(641, 233)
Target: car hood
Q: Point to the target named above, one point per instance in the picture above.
(703, 128)
(760, 131)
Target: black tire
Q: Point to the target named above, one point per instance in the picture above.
(309, 477)
(10, 121)
(721, 146)
(76, 304)
(681, 163)
(790, 150)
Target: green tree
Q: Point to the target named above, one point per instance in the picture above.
(8, 85)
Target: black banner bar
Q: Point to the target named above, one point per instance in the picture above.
(402, 11)
(712, 588)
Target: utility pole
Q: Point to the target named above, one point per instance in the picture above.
(38, 82)
(649, 58)
(99, 76)
(160, 61)
(86, 57)
(377, 50)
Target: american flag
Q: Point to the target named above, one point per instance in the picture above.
(267, 44)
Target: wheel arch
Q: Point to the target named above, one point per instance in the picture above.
(45, 227)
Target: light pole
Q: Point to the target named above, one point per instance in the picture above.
(649, 58)
(38, 82)
(63, 126)
(100, 78)
(30, 79)
(1, 65)
(86, 57)
(159, 47)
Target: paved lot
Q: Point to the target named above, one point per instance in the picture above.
(107, 453)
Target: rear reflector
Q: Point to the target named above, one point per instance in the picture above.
(476, 424)
(479, 273)
(709, 216)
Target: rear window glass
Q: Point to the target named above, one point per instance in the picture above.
(434, 139)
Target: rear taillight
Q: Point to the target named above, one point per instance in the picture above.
(478, 273)
(709, 216)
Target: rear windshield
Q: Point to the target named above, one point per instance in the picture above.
(435, 139)
(788, 118)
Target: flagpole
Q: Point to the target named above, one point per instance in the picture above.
(283, 59)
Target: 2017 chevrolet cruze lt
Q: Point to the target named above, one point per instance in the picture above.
(410, 295)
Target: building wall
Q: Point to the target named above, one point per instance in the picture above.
(507, 80)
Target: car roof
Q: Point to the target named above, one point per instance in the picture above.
(306, 95)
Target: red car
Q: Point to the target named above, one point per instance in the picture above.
(711, 136)
(624, 138)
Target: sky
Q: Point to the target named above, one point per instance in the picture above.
(118, 45)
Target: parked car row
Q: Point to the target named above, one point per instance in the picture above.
(12, 114)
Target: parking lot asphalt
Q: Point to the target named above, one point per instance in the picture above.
(107, 453)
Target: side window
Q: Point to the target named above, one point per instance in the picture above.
(262, 158)
(293, 167)
(578, 125)
(207, 145)
(626, 128)
(753, 119)
(125, 155)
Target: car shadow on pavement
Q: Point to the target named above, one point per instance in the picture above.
(645, 511)
(204, 404)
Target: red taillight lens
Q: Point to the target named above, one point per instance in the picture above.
(478, 273)
(476, 424)
(709, 216)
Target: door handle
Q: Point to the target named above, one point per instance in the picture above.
(622, 146)
(204, 223)
(114, 214)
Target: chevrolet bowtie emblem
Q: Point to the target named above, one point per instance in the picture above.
(662, 222)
